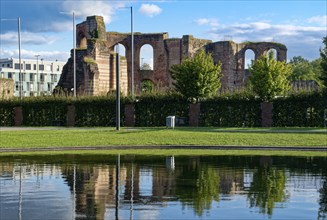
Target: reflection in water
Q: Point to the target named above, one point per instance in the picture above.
(140, 187)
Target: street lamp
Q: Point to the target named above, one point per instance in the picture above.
(74, 52)
(132, 51)
(37, 74)
(19, 57)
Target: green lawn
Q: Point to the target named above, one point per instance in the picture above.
(68, 137)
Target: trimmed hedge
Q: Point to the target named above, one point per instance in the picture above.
(242, 111)
(301, 110)
(44, 111)
(152, 110)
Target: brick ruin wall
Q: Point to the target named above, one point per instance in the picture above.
(96, 58)
(6, 88)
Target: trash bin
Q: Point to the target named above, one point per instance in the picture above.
(170, 121)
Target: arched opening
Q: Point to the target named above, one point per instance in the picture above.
(274, 51)
(83, 43)
(146, 57)
(147, 86)
(249, 57)
(120, 48)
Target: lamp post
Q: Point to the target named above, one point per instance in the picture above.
(74, 52)
(19, 56)
(37, 74)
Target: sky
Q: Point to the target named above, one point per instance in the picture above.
(47, 25)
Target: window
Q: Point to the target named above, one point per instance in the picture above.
(49, 87)
(8, 65)
(41, 77)
(28, 66)
(3, 65)
(16, 86)
(34, 67)
(31, 77)
(58, 68)
(41, 67)
(55, 77)
(28, 86)
(9, 75)
(17, 66)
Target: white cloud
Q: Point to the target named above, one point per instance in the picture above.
(207, 21)
(27, 38)
(321, 20)
(82, 9)
(300, 40)
(30, 54)
(150, 10)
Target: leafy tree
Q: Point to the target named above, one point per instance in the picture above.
(146, 66)
(197, 77)
(323, 55)
(270, 77)
(147, 86)
(303, 69)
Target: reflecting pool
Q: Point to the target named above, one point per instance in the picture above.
(161, 187)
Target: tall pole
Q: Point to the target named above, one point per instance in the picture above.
(74, 54)
(117, 90)
(37, 74)
(20, 62)
(132, 45)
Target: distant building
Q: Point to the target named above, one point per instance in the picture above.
(39, 77)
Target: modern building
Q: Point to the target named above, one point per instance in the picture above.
(39, 77)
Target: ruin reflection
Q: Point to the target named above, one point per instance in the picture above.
(128, 187)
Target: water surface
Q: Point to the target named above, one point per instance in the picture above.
(158, 187)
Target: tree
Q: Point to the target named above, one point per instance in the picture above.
(303, 69)
(146, 66)
(323, 55)
(197, 77)
(270, 77)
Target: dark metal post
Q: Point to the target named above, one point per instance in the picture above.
(117, 186)
(117, 90)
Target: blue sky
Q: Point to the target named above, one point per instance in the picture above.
(300, 25)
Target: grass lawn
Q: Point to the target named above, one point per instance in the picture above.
(70, 137)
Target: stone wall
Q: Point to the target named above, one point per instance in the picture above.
(6, 88)
(99, 78)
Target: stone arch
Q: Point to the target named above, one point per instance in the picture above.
(81, 41)
(249, 57)
(146, 57)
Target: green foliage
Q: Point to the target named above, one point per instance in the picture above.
(268, 188)
(7, 117)
(323, 55)
(152, 109)
(198, 77)
(97, 111)
(147, 86)
(204, 181)
(238, 110)
(270, 77)
(146, 66)
(301, 110)
(303, 69)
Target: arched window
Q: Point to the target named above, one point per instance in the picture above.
(146, 57)
(83, 43)
(121, 49)
(274, 51)
(249, 57)
(147, 86)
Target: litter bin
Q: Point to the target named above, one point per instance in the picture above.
(170, 121)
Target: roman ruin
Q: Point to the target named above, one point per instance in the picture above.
(96, 60)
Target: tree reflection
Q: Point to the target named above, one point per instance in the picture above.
(322, 214)
(267, 188)
(198, 187)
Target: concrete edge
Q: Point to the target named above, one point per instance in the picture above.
(166, 147)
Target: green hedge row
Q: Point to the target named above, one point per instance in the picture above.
(231, 112)
(301, 110)
(152, 110)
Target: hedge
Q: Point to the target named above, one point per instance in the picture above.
(300, 110)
